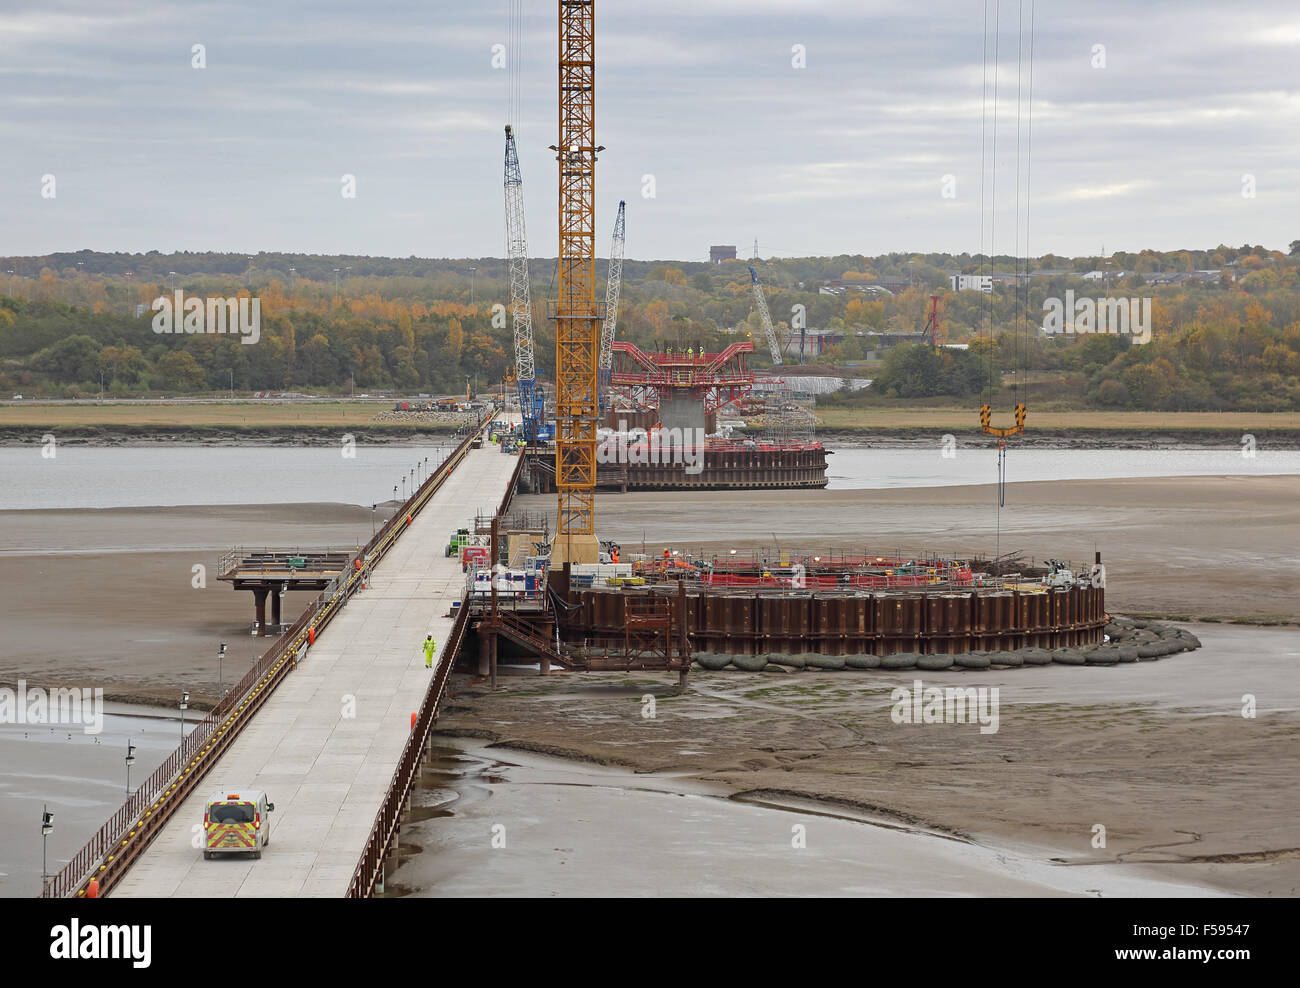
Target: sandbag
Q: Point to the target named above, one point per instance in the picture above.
(1127, 653)
(713, 660)
(789, 661)
(933, 663)
(969, 660)
(1036, 656)
(1005, 658)
(862, 661)
(749, 663)
(1068, 656)
(899, 660)
(816, 661)
(1101, 657)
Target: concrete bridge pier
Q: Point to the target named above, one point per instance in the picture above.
(259, 607)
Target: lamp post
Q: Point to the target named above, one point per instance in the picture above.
(284, 591)
(221, 654)
(47, 828)
(185, 704)
(130, 760)
(372, 521)
(471, 286)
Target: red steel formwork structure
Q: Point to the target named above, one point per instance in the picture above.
(577, 317)
(715, 380)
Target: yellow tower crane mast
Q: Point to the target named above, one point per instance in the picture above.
(577, 315)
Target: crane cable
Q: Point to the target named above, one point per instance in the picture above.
(988, 179)
(514, 59)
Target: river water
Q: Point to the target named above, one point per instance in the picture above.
(152, 476)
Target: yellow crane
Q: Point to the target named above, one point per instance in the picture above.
(577, 317)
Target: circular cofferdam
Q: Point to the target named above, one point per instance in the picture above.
(945, 621)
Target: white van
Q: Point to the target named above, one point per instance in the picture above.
(237, 823)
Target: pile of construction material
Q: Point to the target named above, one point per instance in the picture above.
(414, 417)
(1128, 641)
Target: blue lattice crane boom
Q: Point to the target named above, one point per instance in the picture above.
(531, 404)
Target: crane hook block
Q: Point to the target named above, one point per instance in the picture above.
(986, 414)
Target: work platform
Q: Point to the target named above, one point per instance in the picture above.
(324, 745)
(274, 572)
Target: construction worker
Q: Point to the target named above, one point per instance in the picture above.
(429, 646)
(613, 554)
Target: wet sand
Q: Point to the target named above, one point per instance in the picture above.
(104, 598)
(1156, 752)
(80, 776)
(500, 823)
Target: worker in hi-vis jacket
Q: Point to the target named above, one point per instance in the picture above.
(429, 646)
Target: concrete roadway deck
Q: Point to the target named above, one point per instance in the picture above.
(326, 773)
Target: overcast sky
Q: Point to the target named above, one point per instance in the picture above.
(845, 155)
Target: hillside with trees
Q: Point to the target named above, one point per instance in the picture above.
(1225, 323)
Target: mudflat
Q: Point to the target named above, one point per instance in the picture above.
(107, 598)
(1157, 753)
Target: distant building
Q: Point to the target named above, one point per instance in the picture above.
(726, 252)
(971, 283)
